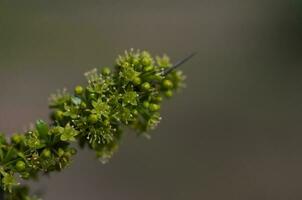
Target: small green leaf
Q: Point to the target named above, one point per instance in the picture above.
(76, 100)
(11, 153)
(42, 128)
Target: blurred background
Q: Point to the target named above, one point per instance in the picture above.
(234, 133)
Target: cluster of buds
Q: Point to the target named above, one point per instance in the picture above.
(130, 95)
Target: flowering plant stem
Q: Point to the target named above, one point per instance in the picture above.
(93, 115)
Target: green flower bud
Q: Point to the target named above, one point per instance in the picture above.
(146, 104)
(106, 71)
(17, 138)
(60, 152)
(58, 115)
(148, 68)
(158, 99)
(20, 166)
(167, 84)
(137, 81)
(46, 153)
(93, 118)
(154, 107)
(169, 93)
(146, 86)
(79, 90)
(146, 61)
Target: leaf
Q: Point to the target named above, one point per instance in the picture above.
(11, 153)
(21, 155)
(76, 100)
(2, 139)
(42, 128)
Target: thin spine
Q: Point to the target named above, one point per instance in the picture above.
(179, 63)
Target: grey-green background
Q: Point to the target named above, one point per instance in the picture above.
(234, 133)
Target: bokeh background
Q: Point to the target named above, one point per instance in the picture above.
(234, 133)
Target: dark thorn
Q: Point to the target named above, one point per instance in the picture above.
(179, 63)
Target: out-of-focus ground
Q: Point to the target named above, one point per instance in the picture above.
(234, 133)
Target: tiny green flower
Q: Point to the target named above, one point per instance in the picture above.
(69, 133)
(131, 98)
(9, 182)
(93, 118)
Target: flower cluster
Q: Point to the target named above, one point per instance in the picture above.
(130, 95)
